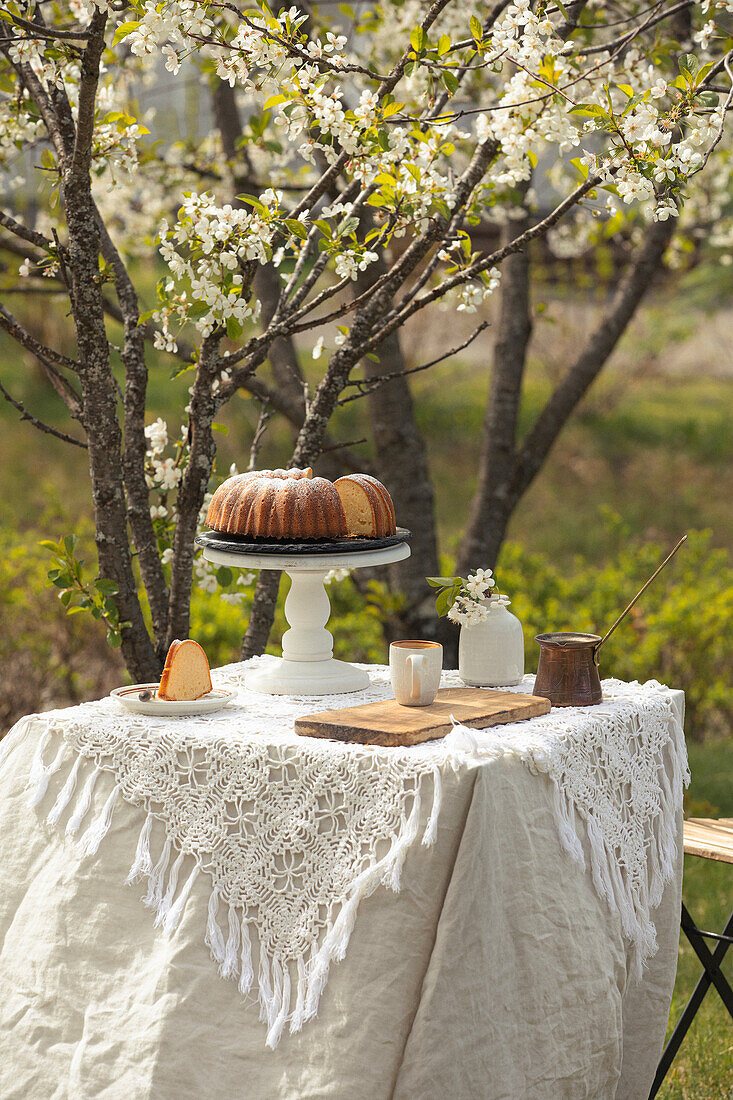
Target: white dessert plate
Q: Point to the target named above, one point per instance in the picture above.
(130, 698)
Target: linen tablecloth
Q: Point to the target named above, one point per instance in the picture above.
(502, 964)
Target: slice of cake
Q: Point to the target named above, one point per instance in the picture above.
(186, 674)
(367, 506)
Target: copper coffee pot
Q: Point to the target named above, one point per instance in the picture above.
(567, 673)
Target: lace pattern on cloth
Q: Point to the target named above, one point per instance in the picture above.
(293, 832)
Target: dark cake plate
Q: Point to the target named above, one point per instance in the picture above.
(238, 544)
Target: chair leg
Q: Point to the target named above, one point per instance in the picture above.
(708, 960)
(711, 975)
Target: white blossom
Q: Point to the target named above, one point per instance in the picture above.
(480, 582)
(157, 436)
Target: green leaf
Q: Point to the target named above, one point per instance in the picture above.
(114, 638)
(234, 329)
(626, 89)
(440, 582)
(222, 428)
(106, 586)
(252, 201)
(65, 597)
(444, 601)
(580, 167)
(417, 39)
(477, 30)
(296, 228)
(707, 99)
(123, 30)
(348, 225)
(224, 575)
(47, 159)
(688, 63)
(589, 110)
(70, 542)
(47, 544)
(392, 109)
(275, 101)
(444, 45)
(450, 80)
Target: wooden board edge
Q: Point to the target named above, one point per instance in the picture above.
(308, 727)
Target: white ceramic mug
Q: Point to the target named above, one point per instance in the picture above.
(415, 669)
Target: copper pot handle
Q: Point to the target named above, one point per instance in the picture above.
(641, 591)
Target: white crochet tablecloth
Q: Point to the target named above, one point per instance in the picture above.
(287, 835)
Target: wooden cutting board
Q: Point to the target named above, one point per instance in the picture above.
(388, 723)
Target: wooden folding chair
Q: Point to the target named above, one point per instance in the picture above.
(710, 840)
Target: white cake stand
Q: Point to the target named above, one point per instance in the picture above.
(307, 666)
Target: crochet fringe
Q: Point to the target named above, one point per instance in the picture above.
(41, 773)
(278, 979)
(633, 902)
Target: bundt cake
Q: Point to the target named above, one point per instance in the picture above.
(292, 504)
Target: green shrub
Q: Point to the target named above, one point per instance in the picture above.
(48, 658)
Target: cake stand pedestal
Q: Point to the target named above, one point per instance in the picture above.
(307, 666)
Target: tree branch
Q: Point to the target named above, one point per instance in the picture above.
(367, 386)
(193, 487)
(13, 327)
(25, 415)
(26, 234)
(82, 156)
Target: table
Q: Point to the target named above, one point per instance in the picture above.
(494, 968)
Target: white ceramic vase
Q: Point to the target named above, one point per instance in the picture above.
(491, 653)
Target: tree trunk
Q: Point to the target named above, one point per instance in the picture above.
(263, 613)
(628, 297)
(401, 463)
(489, 515)
(104, 438)
(133, 454)
(99, 393)
(503, 495)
